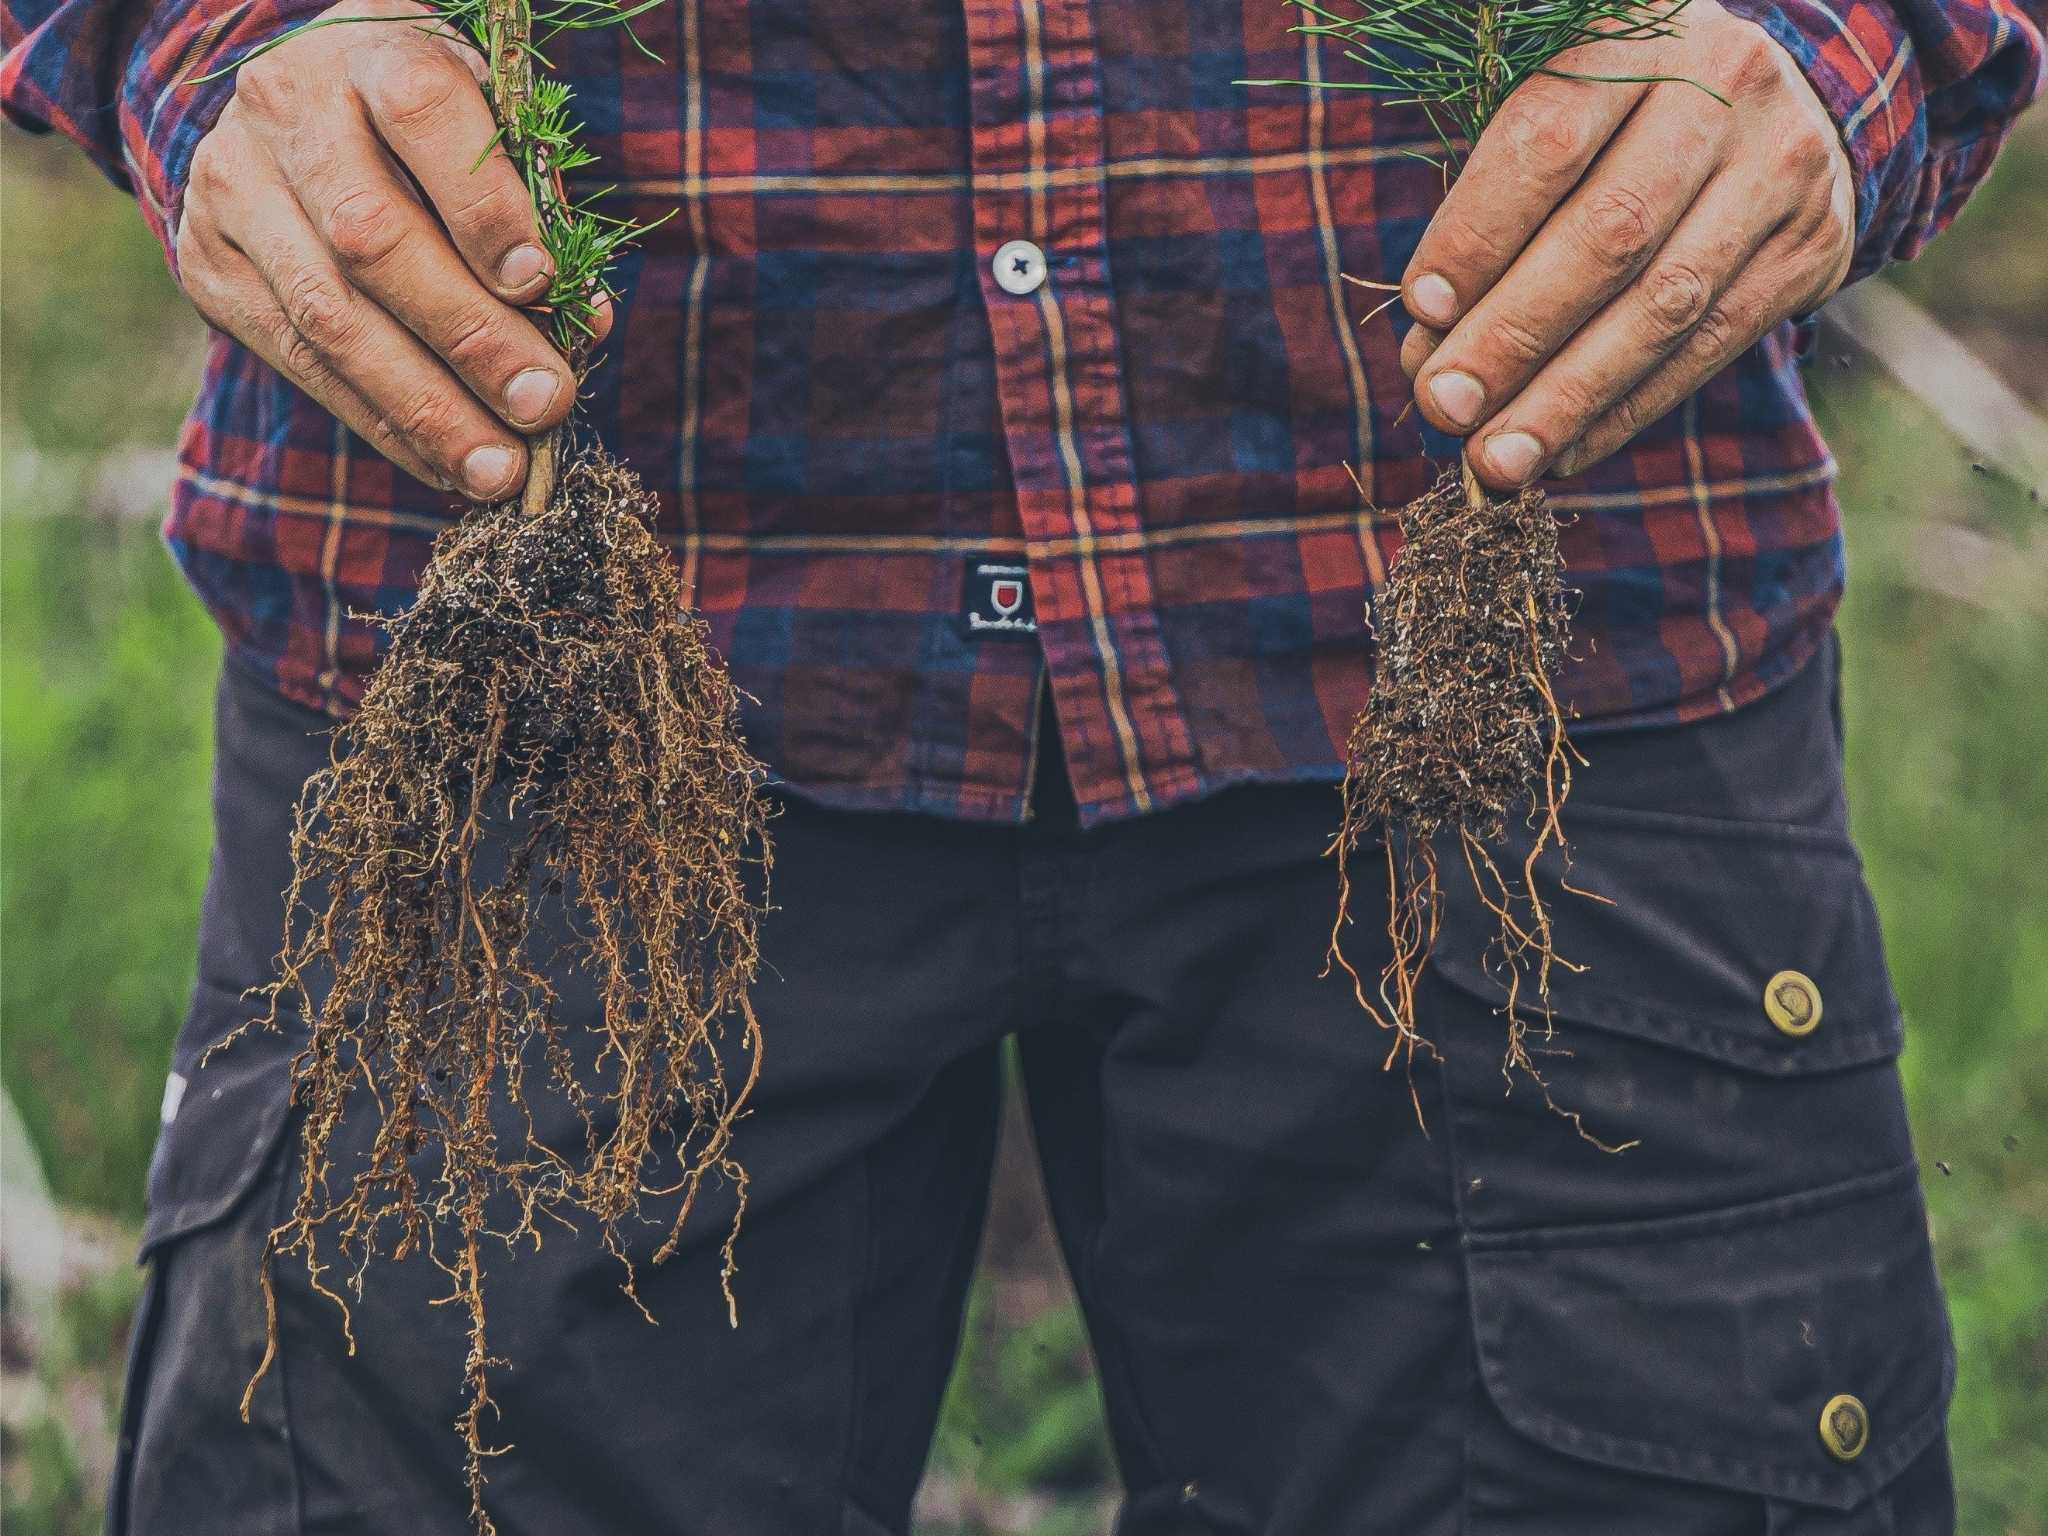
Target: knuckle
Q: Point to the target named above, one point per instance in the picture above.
(428, 422)
(268, 86)
(476, 340)
(1629, 416)
(1715, 335)
(1464, 246)
(1803, 156)
(1516, 343)
(1754, 64)
(214, 300)
(383, 436)
(302, 360)
(364, 227)
(499, 207)
(1573, 400)
(317, 306)
(1677, 297)
(416, 83)
(1814, 292)
(203, 176)
(1546, 135)
(1616, 226)
(1811, 261)
(1820, 219)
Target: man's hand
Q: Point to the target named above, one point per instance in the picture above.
(1610, 247)
(338, 224)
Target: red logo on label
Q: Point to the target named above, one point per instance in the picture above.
(998, 600)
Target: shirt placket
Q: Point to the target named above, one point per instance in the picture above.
(1039, 192)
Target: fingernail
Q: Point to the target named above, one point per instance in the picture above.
(1432, 300)
(521, 267)
(1565, 465)
(529, 395)
(1513, 455)
(487, 469)
(1459, 396)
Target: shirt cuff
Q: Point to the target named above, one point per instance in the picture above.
(175, 91)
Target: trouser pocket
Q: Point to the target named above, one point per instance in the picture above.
(189, 1461)
(1788, 1358)
(1725, 1013)
(1734, 1325)
(134, 1388)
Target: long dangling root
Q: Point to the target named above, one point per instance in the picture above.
(548, 726)
(1463, 731)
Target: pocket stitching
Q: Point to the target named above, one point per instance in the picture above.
(1840, 1490)
(185, 1217)
(1832, 839)
(1615, 1013)
(1694, 1224)
(1797, 1483)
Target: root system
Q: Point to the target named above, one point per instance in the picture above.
(549, 726)
(1463, 732)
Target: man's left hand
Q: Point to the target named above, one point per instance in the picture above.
(1611, 246)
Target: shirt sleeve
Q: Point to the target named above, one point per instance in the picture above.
(1924, 92)
(121, 78)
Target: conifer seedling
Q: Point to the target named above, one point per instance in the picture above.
(549, 728)
(1464, 730)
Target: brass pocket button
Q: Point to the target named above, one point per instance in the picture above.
(1845, 1427)
(1792, 1003)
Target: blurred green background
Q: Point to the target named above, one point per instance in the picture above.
(106, 672)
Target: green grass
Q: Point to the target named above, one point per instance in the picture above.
(1948, 766)
(107, 672)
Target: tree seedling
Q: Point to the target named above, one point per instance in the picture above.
(549, 729)
(1464, 729)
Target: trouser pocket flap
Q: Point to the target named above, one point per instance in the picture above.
(223, 1116)
(1795, 1348)
(1750, 944)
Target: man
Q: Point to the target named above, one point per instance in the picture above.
(1000, 381)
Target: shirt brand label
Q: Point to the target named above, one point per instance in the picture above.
(998, 600)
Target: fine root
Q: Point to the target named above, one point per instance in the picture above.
(1462, 732)
(548, 727)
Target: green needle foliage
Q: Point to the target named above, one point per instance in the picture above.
(1459, 60)
(536, 129)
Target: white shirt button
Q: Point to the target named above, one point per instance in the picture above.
(1020, 267)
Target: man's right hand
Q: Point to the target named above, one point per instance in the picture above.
(338, 224)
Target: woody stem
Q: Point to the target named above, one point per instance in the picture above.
(1475, 493)
(1486, 31)
(1486, 82)
(510, 25)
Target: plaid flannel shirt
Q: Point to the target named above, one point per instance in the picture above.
(909, 500)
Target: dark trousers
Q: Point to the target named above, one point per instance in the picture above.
(1312, 1316)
